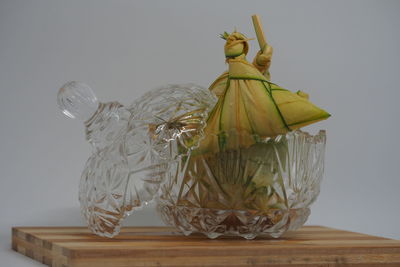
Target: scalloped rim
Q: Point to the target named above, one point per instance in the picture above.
(320, 137)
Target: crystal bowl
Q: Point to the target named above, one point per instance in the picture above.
(264, 189)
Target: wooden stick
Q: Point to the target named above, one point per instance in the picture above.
(259, 31)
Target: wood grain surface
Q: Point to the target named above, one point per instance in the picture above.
(161, 246)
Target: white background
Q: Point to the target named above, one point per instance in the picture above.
(345, 54)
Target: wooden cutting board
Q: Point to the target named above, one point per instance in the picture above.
(160, 246)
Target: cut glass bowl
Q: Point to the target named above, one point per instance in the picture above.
(266, 189)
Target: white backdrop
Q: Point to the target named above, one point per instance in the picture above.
(345, 54)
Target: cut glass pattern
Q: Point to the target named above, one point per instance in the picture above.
(133, 148)
(265, 189)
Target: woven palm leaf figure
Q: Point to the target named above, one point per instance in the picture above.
(250, 106)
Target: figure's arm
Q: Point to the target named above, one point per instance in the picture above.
(262, 61)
